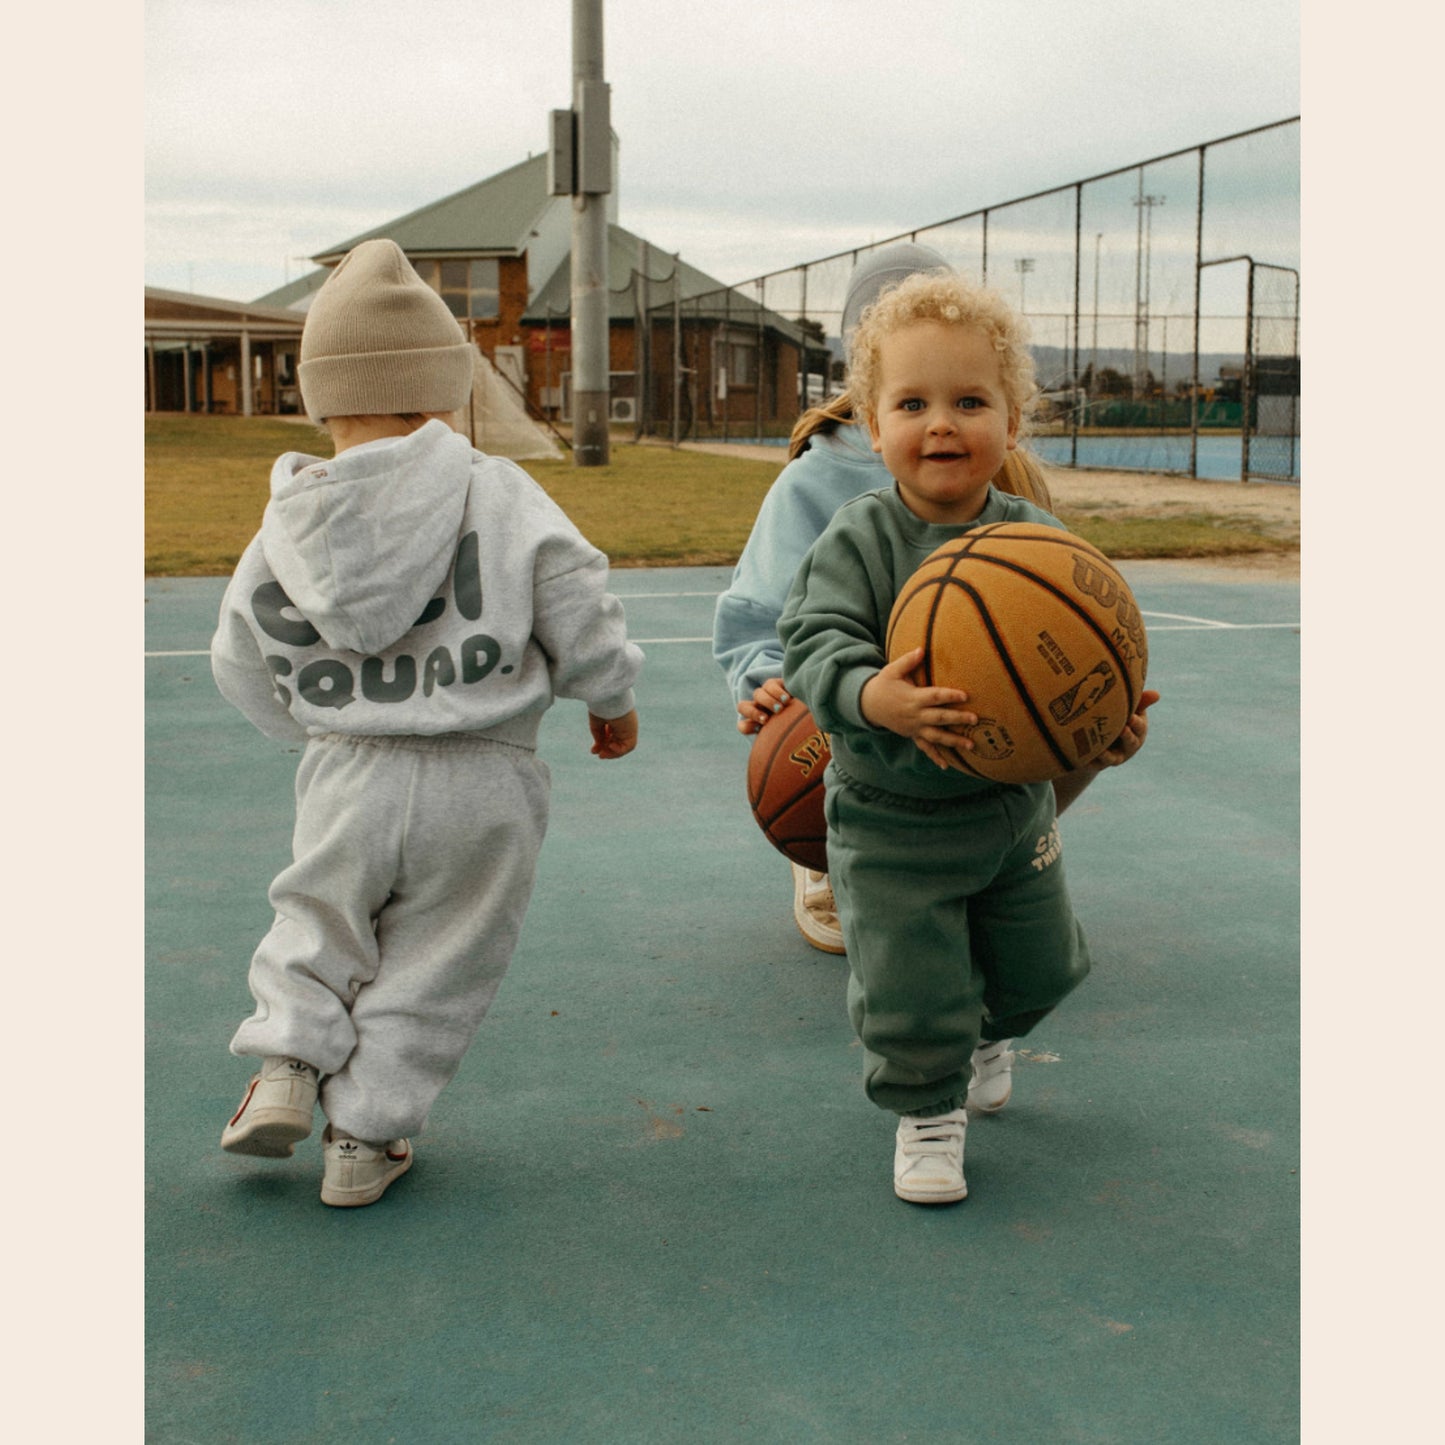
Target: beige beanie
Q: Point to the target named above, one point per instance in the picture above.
(378, 341)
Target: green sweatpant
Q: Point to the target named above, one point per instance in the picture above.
(958, 926)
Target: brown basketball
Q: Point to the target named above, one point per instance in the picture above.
(1041, 632)
(785, 785)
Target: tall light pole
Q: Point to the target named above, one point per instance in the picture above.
(580, 165)
(1094, 356)
(1023, 266)
(1145, 205)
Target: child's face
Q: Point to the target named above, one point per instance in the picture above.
(942, 422)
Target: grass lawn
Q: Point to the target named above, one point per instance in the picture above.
(208, 479)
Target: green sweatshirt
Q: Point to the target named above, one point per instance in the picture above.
(835, 619)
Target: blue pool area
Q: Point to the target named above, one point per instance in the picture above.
(1219, 456)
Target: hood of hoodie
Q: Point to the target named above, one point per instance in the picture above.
(361, 543)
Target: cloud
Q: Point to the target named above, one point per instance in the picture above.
(752, 136)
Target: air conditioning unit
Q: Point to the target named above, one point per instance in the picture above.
(622, 408)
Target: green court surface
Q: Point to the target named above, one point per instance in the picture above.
(655, 1206)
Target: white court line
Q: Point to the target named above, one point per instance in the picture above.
(1194, 624)
(640, 641)
(1181, 617)
(1200, 626)
(629, 596)
(1230, 627)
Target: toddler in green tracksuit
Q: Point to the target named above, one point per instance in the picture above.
(958, 926)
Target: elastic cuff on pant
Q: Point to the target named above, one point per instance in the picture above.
(932, 1111)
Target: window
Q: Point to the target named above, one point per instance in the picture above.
(737, 352)
(470, 288)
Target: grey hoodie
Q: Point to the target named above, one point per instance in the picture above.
(417, 586)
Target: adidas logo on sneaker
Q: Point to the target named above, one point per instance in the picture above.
(359, 1173)
(276, 1111)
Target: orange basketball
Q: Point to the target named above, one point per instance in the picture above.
(1040, 631)
(785, 785)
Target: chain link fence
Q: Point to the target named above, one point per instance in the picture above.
(1163, 300)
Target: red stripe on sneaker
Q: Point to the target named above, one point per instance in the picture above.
(251, 1090)
(397, 1158)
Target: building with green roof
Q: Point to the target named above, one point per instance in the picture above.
(499, 254)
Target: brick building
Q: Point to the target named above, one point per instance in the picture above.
(499, 253)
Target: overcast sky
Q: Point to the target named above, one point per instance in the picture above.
(754, 134)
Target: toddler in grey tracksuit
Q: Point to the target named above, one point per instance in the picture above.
(409, 610)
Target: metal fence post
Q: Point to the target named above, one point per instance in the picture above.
(1247, 388)
(676, 365)
(1073, 372)
(642, 351)
(758, 364)
(727, 400)
(1198, 305)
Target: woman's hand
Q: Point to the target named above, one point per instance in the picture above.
(771, 698)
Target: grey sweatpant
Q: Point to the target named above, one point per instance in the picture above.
(414, 859)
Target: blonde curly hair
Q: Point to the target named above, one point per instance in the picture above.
(946, 297)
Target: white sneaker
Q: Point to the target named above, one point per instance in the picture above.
(276, 1111)
(928, 1159)
(360, 1173)
(815, 911)
(992, 1081)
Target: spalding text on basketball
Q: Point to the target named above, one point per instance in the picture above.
(810, 752)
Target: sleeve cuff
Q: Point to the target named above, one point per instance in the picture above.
(618, 705)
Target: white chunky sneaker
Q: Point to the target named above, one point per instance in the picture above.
(276, 1111)
(360, 1173)
(928, 1159)
(992, 1081)
(815, 911)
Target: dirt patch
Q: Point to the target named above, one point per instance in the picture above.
(1274, 504)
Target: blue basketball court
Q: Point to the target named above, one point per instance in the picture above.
(655, 1204)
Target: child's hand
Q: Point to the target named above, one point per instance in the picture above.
(929, 715)
(770, 698)
(1132, 738)
(613, 737)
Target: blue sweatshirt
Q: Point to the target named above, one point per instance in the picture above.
(837, 467)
